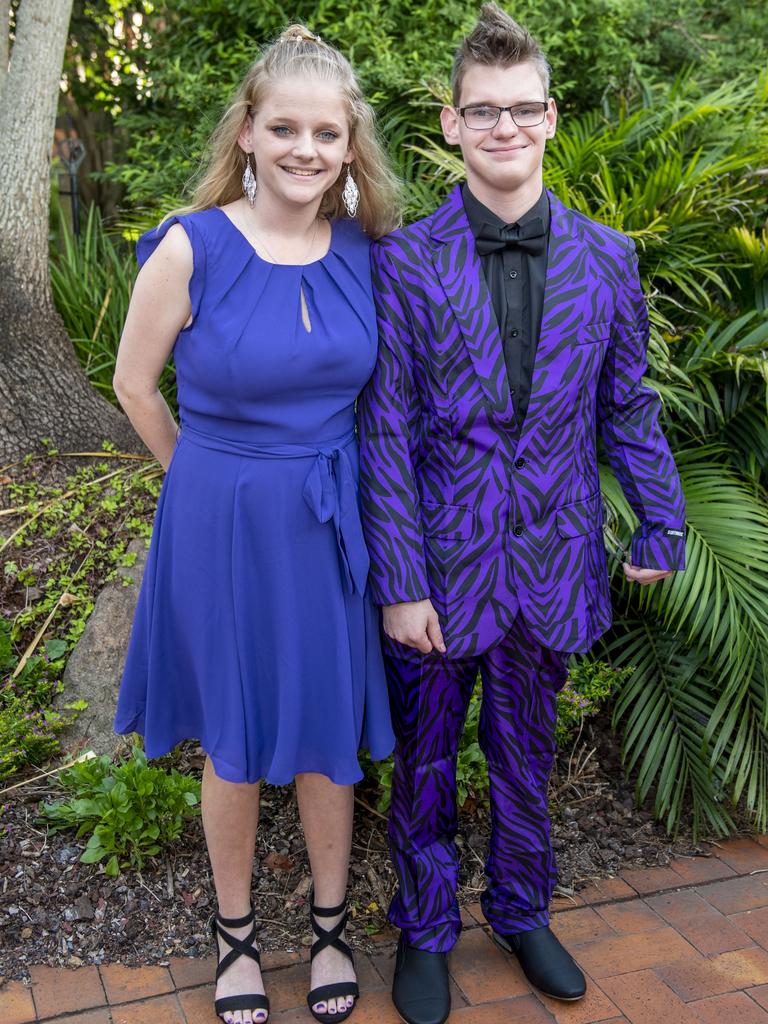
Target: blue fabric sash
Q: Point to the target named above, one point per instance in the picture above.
(329, 490)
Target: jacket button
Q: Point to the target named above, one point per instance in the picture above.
(518, 530)
(519, 463)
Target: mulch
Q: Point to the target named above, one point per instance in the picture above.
(57, 911)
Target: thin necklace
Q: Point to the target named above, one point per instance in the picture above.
(277, 262)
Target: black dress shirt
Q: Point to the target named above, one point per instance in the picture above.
(515, 279)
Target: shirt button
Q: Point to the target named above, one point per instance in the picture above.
(519, 463)
(513, 274)
(518, 531)
(514, 334)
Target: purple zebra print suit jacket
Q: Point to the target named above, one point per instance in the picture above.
(459, 509)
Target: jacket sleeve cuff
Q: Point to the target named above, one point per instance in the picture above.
(658, 547)
(389, 593)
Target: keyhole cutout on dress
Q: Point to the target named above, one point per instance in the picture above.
(305, 311)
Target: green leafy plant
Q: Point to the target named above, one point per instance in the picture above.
(29, 728)
(61, 544)
(129, 810)
(693, 712)
(589, 686)
(168, 66)
(471, 769)
(91, 278)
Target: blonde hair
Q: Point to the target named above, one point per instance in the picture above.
(298, 52)
(497, 41)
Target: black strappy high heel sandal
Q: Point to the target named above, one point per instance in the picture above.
(239, 947)
(331, 937)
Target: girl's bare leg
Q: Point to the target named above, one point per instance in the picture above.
(230, 813)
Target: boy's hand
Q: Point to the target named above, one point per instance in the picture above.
(644, 576)
(415, 624)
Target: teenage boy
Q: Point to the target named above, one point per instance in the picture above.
(513, 332)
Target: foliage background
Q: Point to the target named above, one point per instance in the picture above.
(663, 134)
(165, 72)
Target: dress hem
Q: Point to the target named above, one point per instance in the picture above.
(229, 773)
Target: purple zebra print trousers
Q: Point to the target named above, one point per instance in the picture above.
(429, 698)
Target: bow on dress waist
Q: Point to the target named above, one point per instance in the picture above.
(329, 490)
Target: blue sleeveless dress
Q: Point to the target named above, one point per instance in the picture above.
(254, 632)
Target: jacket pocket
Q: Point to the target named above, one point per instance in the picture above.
(589, 334)
(447, 522)
(580, 517)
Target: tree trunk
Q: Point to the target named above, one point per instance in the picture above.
(43, 391)
(5, 39)
(27, 117)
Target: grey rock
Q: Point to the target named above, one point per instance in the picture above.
(95, 666)
(66, 854)
(84, 909)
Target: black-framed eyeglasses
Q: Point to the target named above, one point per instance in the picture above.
(481, 116)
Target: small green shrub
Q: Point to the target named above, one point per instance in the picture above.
(589, 685)
(64, 542)
(28, 727)
(379, 773)
(129, 810)
(471, 771)
(471, 768)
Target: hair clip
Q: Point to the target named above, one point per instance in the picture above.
(309, 37)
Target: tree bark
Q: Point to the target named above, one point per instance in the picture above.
(27, 118)
(43, 391)
(5, 40)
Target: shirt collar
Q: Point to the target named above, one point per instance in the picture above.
(479, 214)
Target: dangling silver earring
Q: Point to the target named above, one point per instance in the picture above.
(250, 185)
(351, 194)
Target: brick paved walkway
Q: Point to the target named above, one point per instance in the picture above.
(684, 944)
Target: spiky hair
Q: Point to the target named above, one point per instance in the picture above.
(497, 41)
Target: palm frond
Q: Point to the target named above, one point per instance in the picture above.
(726, 575)
(664, 708)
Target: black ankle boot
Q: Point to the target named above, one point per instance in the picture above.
(546, 964)
(420, 987)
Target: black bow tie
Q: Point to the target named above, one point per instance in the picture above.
(530, 237)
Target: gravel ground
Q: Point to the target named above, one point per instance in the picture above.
(55, 910)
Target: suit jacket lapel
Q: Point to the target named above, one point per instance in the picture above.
(565, 286)
(461, 275)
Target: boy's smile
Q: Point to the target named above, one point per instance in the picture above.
(504, 162)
